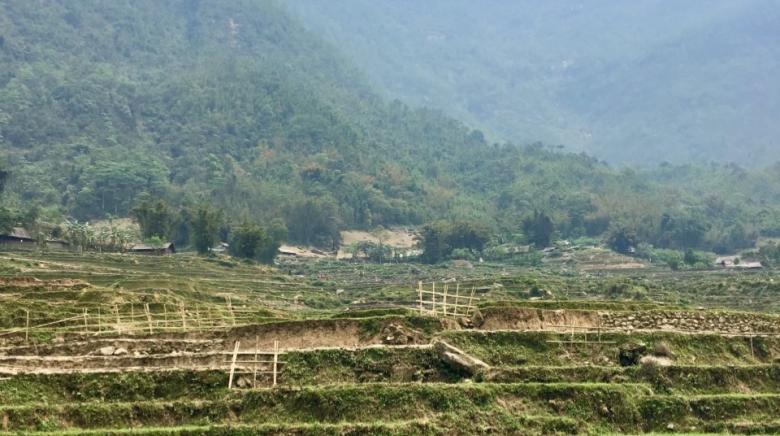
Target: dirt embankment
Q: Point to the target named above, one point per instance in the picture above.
(519, 318)
(200, 349)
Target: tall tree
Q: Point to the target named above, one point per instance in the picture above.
(154, 216)
(4, 175)
(539, 229)
(251, 241)
(205, 227)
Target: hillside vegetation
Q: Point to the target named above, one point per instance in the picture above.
(236, 104)
(638, 82)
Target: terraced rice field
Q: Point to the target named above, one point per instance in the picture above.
(157, 359)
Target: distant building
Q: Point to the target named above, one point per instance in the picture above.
(736, 262)
(148, 250)
(17, 238)
(727, 261)
(20, 238)
(222, 247)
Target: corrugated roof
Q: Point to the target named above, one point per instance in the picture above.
(145, 247)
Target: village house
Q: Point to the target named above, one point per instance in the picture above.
(736, 262)
(20, 238)
(165, 249)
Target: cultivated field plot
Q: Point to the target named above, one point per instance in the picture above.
(182, 345)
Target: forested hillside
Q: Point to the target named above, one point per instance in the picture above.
(642, 81)
(235, 104)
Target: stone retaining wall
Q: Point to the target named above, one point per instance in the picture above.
(691, 321)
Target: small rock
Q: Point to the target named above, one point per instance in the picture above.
(120, 352)
(107, 351)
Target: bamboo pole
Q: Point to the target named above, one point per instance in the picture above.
(27, 327)
(149, 318)
(420, 289)
(233, 364)
(85, 320)
(473, 290)
(118, 322)
(276, 359)
(433, 296)
(257, 347)
(183, 317)
(457, 298)
(752, 351)
(445, 300)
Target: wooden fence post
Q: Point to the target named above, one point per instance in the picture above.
(148, 318)
(183, 317)
(257, 350)
(420, 291)
(444, 305)
(433, 298)
(276, 359)
(752, 351)
(233, 364)
(457, 298)
(27, 327)
(468, 309)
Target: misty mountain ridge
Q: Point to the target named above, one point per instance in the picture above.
(639, 82)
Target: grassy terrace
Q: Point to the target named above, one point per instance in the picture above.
(343, 375)
(544, 407)
(510, 348)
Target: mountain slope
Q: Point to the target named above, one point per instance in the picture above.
(234, 103)
(638, 82)
(229, 100)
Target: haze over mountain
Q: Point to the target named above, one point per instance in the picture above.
(629, 81)
(235, 104)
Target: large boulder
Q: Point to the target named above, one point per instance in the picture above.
(459, 360)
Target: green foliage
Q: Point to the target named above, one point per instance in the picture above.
(103, 101)
(154, 216)
(3, 179)
(770, 253)
(438, 239)
(205, 225)
(624, 82)
(250, 241)
(538, 229)
(621, 238)
(314, 221)
(375, 252)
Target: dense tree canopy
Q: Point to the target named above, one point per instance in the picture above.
(233, 104)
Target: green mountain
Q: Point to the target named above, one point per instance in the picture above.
(640, 82)
(229, 100)
(235, 103)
